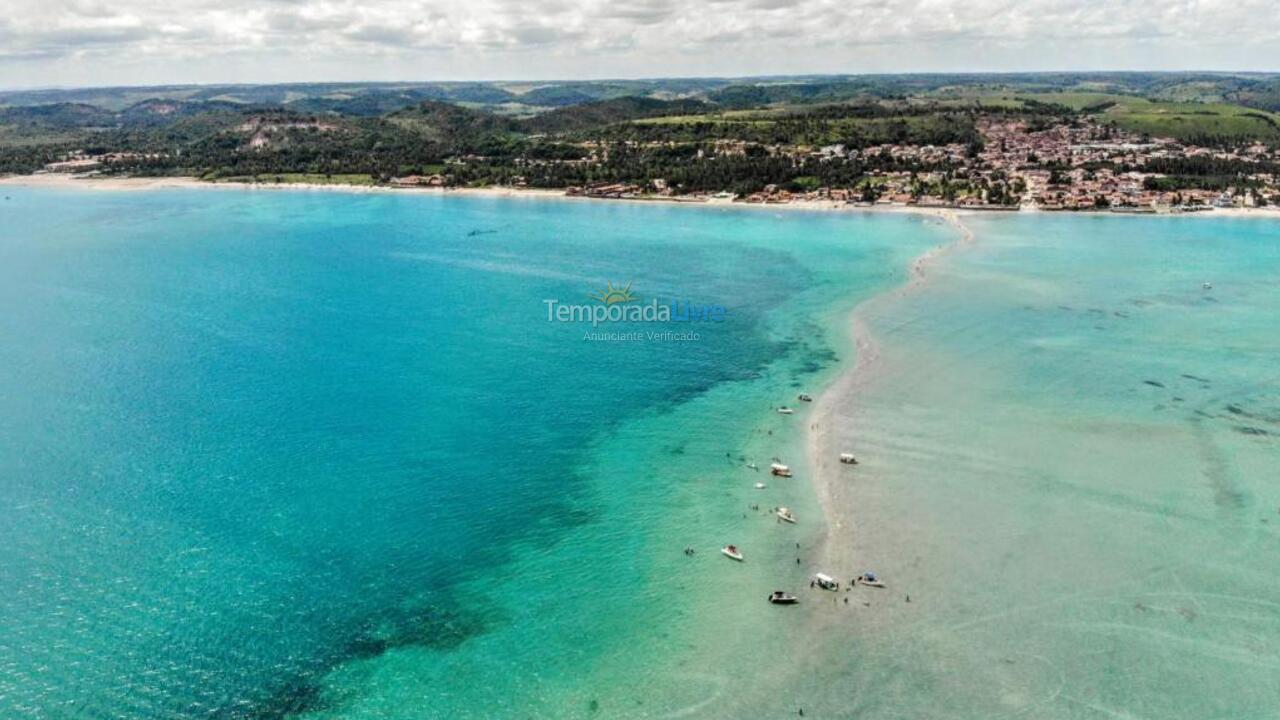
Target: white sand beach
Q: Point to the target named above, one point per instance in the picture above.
(97, 182)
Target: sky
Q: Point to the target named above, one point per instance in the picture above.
(144, 42)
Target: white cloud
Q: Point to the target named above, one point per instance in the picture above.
(100, 42)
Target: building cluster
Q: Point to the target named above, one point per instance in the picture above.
(1082, 165)
(84, 163)
(1091, 166)
(409, 181)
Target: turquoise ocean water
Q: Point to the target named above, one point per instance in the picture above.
(1071, 464)
(269, 455)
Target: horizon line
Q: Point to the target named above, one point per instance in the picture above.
(637, 79)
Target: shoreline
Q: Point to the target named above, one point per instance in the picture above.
(136, 184)
(133, 184)
(837, 545)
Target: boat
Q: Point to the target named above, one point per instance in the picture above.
(848, 459)
(805, 397)
(753, 466)
(784, 410)
(1207, 286)
(777, 597)
(732, 552)
(780, 470)
(760, 486)
(826, 582)
(869, 579)
(785, 514)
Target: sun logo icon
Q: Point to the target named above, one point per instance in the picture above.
(612, 295)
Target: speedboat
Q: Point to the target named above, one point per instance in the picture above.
(785, 514)
(869, 579)
(848, 459)
(732, 552)
(784, 410)
(777, 597)
(805, 397)
(780, 470)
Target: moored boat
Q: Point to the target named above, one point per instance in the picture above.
(785, 515)
(805, 397)
(869, 579)
(732, 552)
(784, 410)
(780, 470)
(778, 597)
(760, 486)
(824, 581)
(848, 459)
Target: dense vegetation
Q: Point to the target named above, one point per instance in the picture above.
(696, 134)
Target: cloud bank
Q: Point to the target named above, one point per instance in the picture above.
(94, 42)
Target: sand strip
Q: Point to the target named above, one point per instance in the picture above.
(836, 548)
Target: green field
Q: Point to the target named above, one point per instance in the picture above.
(1181, 120)
(763, 116)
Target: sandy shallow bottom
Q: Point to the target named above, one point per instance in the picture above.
(1068, 459)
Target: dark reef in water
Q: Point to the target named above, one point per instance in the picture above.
(442, 625)
(437, 627)
(1154, 383)
(294, 698)
(811, 354)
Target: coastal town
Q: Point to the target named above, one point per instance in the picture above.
(981, 159)
(1082, 166)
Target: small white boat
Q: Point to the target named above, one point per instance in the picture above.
(869, 579)
(848, 459)
(784, 410)
(1207, 285)
(760, 486)
(780, 470)
(732, 552)
(826, 582)
(785, 515)
(805, 397)
(777, 597)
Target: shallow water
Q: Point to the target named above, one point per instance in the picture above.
(289, 454)
(1071, 463)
